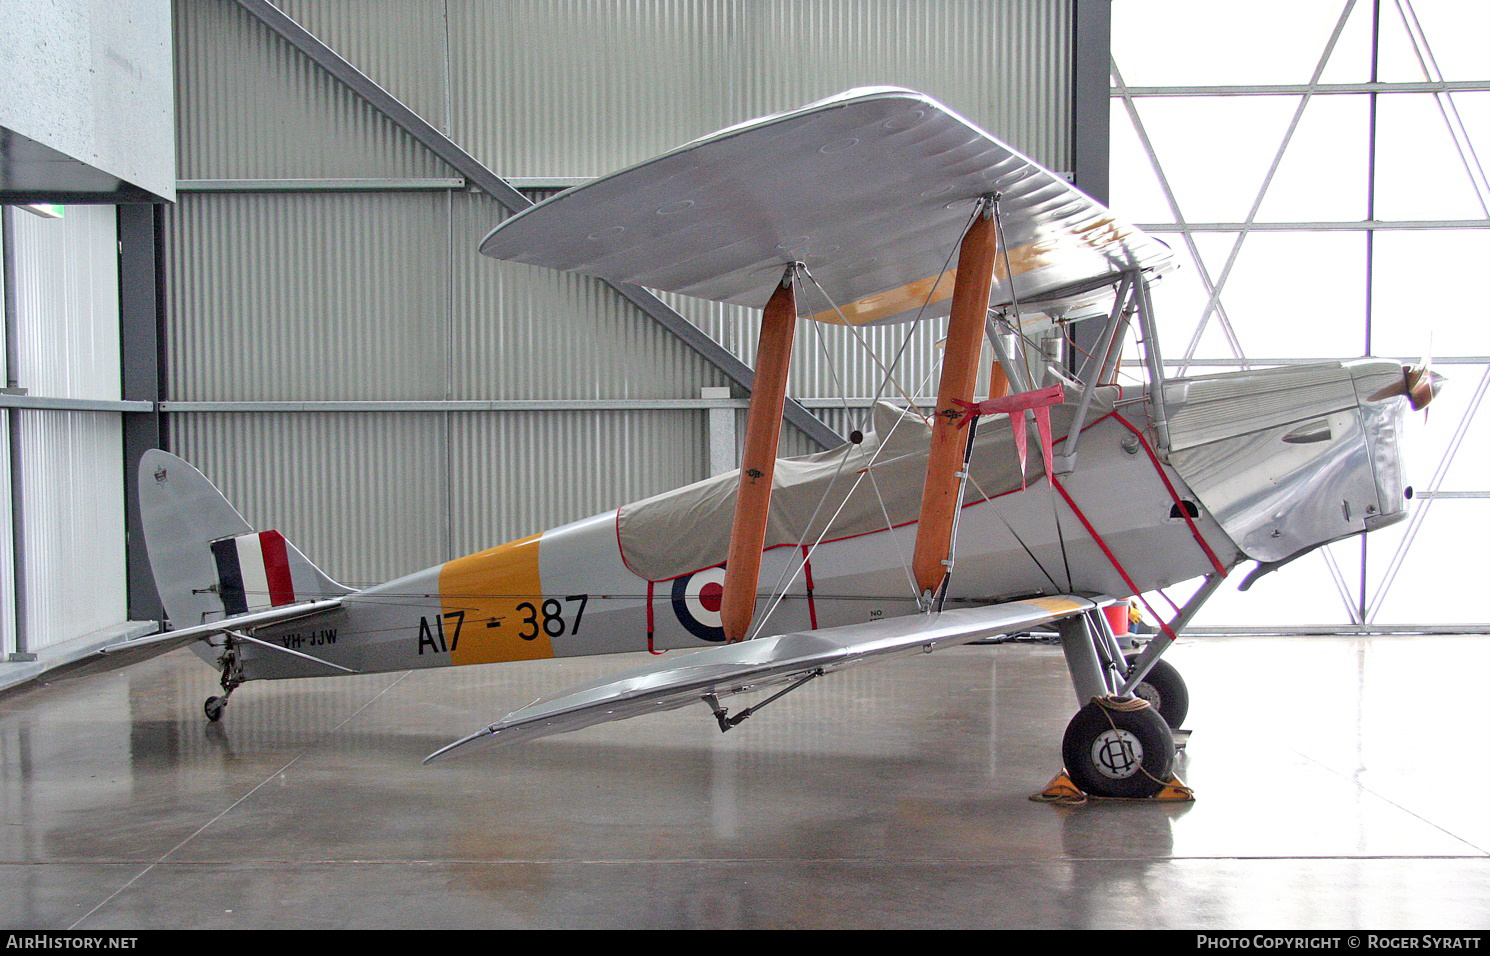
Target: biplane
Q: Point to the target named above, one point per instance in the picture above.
(1045, 501)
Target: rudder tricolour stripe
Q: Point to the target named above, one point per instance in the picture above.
(253, 571)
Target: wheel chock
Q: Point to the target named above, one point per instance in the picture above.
(1175, 789)
(1062, 790)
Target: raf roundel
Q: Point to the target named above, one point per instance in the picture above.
(697, 599)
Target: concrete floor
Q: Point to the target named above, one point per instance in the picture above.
(1341, 785)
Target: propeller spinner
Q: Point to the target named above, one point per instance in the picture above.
(1420, 384)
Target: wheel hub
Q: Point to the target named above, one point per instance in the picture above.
(1117, 754)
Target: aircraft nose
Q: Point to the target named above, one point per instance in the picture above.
(1419, 383)
(1422, 384)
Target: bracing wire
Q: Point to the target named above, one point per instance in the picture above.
(888, 373)
(794, 568)
(910, 326)
(905, 563)
(998, 225)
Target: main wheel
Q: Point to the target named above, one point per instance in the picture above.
(213, 708)
(1113, 751)
(1165, 690)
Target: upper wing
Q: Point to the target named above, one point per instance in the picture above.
(735, 668)
(870, 189)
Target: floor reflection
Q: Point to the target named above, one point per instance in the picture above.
(893, 796)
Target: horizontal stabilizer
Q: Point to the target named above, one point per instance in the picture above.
(240, 622)
(751, 665)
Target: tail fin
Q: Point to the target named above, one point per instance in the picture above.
(208, 562)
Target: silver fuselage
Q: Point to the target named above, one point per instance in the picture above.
(1263, 465)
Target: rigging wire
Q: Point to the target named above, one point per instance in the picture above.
(806, 550)
(911, 325)
(888, 373)
(1018, 325)
(993, 509)
(905, 562)
(822, 345)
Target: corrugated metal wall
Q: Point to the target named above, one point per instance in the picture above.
(379, 295)
(8, 590)
(69, 463)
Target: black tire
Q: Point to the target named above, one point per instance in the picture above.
(213, 708)
(1111, 752)
(1165, 690)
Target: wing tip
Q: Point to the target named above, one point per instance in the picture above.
(485, 734)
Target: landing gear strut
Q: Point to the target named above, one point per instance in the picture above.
(1118, 744)
(232, 676)
(1165, 690)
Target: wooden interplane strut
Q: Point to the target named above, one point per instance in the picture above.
(939, 499)
(758, 460)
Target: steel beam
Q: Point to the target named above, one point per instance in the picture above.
(316, 185)
(514, 201)
(1317, 89)
(1091, 127)
(1355, 225)
(47, 403)
(141, 375)
(1091, 96)
(10, 319)
(464, 405)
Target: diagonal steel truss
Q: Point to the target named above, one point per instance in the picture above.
(478, 175)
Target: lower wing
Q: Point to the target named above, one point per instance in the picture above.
(791, 659)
